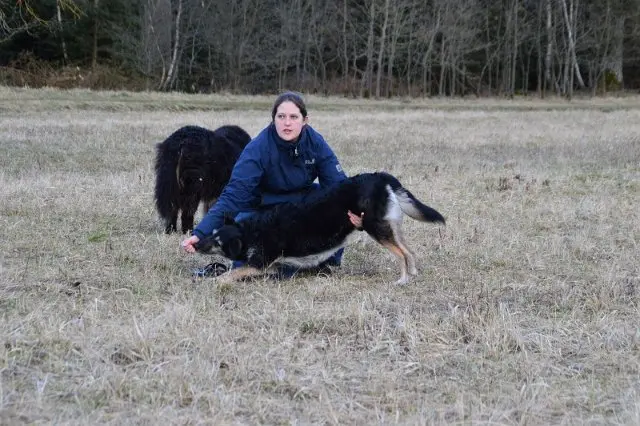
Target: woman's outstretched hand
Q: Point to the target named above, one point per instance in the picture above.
(188, 244)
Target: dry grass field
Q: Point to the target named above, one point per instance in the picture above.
(525, 310)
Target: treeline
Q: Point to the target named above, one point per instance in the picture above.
(367, 48)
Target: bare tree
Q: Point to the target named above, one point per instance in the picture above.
(399, 25)
(548, 78)
(63, 44)
(319, 27)
(345, 44)
(94, 50)
(411, 37)
(613, 58)
(570, 24)
(383, 39)
(538, 46)
(514, 51)
(153, 46)
(20, 16)
(430, 36)
(173, 63)
(367, 78)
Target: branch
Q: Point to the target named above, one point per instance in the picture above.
(21, 17)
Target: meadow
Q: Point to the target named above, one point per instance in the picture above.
(525, 309)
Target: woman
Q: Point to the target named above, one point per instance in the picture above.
(279, 165)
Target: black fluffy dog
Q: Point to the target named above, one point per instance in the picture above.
(306, 234)
(192, 165)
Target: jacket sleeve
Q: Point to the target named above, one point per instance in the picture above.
(240, 194)
(329, 169)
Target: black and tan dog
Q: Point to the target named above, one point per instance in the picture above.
(192, 165)
(305, 234)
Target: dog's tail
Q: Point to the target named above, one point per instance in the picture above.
(411, 206)
(414, 208)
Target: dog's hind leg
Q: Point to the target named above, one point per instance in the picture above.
(408, 254)
(385, 234)
(395, 249)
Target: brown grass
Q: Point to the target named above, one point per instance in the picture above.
(525, 311)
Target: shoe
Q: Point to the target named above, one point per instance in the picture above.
(211, 270)
(331, 262)
(326, 266)
(285, 272)
(322, 269)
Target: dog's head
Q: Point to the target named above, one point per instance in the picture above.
(226, 241)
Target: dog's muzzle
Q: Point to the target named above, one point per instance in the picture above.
(204, 245)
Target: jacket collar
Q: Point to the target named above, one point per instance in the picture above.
(284, 145)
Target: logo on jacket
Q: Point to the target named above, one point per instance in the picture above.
(310, 162)
(339, 168)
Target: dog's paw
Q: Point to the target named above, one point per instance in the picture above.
(402, 281)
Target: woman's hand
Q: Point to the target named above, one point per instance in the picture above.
(356, 220)
(188, 244)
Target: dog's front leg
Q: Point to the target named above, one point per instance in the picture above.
(238, 274)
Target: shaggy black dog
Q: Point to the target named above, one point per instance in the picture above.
(306, 234)
(192, 165)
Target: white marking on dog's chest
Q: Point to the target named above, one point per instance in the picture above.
(317, 258)
(308, 261)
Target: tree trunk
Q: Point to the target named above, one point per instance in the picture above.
(392, 53)
(393, 43)
(569, 19)
(94, 54)
(453, 75)
(539, 51)
(412, 23)
(547, 56)
(443, 62)
(514, 58)
(566, 69)
(367, 78)
(65, 55)
(426, 59)
(174, 55)
(345, 44)
(383, 37)
(614, 58)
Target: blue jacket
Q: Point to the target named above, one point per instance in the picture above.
(271, 170)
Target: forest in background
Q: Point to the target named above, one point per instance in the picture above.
(359, 48)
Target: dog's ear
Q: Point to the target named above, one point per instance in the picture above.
(234, 248)
(229, 219)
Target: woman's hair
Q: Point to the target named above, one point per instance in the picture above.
(293, 97)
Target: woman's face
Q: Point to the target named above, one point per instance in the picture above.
(289, 121)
